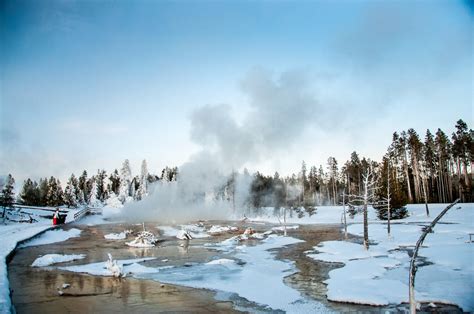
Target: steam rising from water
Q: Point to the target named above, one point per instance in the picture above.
(280, 110)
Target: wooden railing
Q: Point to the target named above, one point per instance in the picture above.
(81, 213)
(46, 208)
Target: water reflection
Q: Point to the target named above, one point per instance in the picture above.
(184, 247)
(124, 291)
(143, 288)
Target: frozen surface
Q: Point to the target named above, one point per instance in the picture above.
(50, 259)
(116, 236)
(379, 276)
(255, 274)
(52, 236)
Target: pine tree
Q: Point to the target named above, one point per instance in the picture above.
(429, 164)
(460, 150)
(143, 188)
(134, 185)
(83, 187)
(304, 183)
(75, 183)
(101, 185)
(279, 192)
(55, 193)
(332, 170)
(125, 181)
(43, 191)
(386, 181)
(93, 196)
(443, 155)
(7, 198)
(30, 193)
(415, 150)
(70, 194)
(114, 179)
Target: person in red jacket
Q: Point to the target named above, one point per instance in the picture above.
(56, 217)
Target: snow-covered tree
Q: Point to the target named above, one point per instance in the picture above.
(114, 180)
(101, 185)
(70, 194)
(93, 199)
(83, 186)
(7, 198)
(125, 181)
(143, 187)
(81, 199)
(169, 174)
(54, 196)
(368, 183)
(367, 197)
(75, 183)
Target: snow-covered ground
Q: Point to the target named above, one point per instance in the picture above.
(50, 259)
(117, 236)
(13, 233)
(52, 236)
(379, 276)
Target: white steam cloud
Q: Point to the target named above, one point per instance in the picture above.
(280, 111)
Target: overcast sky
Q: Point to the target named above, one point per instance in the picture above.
(86, 84)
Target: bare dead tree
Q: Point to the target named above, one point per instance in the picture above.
(413, 268)
(367, 198)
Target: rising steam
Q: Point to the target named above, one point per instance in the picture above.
(280, 110)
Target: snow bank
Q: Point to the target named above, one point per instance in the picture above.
(50, 259)
(107, 268)
(219, 229)
(11, 235)
(52, 236)
(379, 276)
(341, 252)
(222, 261)
(117, 236)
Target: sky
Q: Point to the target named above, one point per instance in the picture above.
(266, 84)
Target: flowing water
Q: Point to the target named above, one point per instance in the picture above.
(37, 289)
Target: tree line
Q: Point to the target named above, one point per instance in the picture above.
(437, 169)
(84, 190)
